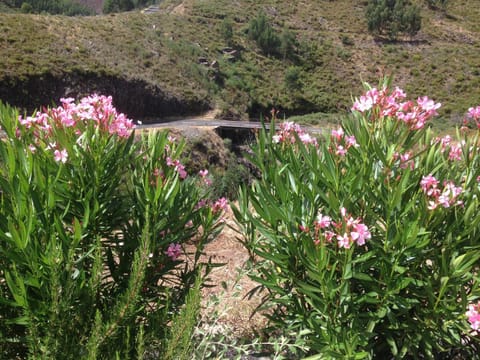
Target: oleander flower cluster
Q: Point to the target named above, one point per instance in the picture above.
(453, 148)
(473, 114)
(446, 196)
(384, 103)
(473, 315)
(288, 133)
(340, 142)
(96, 109)
(347, 231)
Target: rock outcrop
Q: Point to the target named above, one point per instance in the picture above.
(136, 98)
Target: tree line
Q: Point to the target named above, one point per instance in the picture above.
(64, 7)
(74, 8)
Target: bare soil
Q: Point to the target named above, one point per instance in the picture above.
(231, 285)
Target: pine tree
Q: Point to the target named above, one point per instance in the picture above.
(391, 17)
(264, 34)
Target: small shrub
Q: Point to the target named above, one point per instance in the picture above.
(387, 17)
(263, 33)
(226, 30)
(346, 40)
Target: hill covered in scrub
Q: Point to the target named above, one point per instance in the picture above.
(193, 55)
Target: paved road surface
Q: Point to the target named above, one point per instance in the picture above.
(216, 123)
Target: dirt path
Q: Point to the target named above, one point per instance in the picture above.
(231, 285)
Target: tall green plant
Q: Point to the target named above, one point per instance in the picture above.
(367, 242)
(94, 229)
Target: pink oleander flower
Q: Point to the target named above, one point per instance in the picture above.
(444, 142)
(340, 151)
(367, 101)
(428, 184)
(307, 139)
(60, 156)
(428, 105)
(406, 160)
(347, 231)
(351, 141)
(387, 104)
(287, 132)
(174, 251)
(202, 203)
(344, 241)
(455, 153)
(338, 134)
(220, 205)
(323, 221)
(341, 142)
(179, 167)
(329, 235)
(94, 109)
(303, 228)
(204, 175)
(449, 195)
(474, 112)
(473, 315)
(360, 233)
(446, 197)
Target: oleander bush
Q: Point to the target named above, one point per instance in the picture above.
(101, 236)
(367, 240)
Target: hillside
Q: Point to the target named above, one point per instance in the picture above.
(176, 61)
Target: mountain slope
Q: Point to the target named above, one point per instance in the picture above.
(179, 54)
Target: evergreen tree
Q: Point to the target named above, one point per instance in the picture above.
(287, 43)
(264, 34)
(391, 17)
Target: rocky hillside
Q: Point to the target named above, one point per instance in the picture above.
(181, 59)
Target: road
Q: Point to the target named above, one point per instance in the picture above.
(216, 123)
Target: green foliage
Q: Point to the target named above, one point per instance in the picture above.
(179, 343)
(260, 30)
(403, 293)
(226, 183)
(287, 44)
(93, 251)
(391, 17)
(112, 6)
(26, 8)
(66, 7)
(226, 30)
(292, 78)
